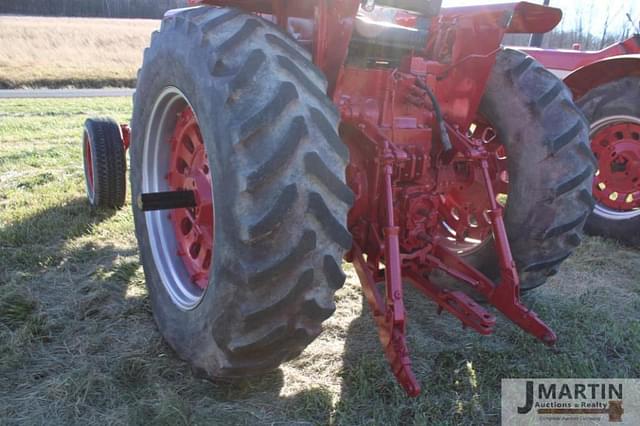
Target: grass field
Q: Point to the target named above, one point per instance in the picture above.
(78, 344)
(79, 52)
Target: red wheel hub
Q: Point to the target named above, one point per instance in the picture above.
(617, 183)
(463, 209)
(88, 163)
(189, 170)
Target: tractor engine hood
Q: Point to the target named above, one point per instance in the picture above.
(521, 17)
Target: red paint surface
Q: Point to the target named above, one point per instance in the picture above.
(570, 60)
(89, 163)
(617, 148)
(189, 171)
(592, 69)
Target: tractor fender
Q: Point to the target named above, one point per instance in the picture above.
(601, 72)
(520, 17)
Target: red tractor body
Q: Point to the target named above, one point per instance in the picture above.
(584, 70)
(426, 169)
(459, 72)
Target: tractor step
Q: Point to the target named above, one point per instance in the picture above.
(166, 201)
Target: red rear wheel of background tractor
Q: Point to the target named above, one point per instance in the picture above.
(104, 163)
(613, 110)
(232, 109)
(543, 174)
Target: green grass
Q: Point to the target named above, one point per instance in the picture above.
(78, 344)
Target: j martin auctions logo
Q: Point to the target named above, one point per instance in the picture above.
(570, 401)
(580, 399)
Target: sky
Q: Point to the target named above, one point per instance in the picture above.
(593, 11)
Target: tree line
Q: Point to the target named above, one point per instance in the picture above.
(594, 24)
(91, 8)
(581, 25)
(563, 39)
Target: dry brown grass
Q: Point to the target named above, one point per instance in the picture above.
(55, 52)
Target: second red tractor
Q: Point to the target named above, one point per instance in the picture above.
(606, 86)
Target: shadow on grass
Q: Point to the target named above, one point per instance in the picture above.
(88, 346)
(446, 360)
(34, 275)
(32, 247)
(78, 342)
(34, 242)
(460, 372)
(78, 345)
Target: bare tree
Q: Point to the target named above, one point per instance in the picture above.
(604, 31)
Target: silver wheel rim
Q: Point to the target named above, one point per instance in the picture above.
(155, 165)
(601, 210)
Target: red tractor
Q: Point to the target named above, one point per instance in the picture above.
(606, 85)
(271, 140)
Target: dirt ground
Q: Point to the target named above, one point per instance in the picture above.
(78, 344)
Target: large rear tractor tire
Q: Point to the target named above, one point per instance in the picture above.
(231, 108)
(613, 110)
(550, 170)
(105, 164)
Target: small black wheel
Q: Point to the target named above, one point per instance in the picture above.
(613, 112)
(104, 163)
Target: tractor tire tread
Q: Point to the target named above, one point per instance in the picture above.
(270, 222)
(315, 166)
(289, 220)
(281, 157)
(616, 98)
(543, 227)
